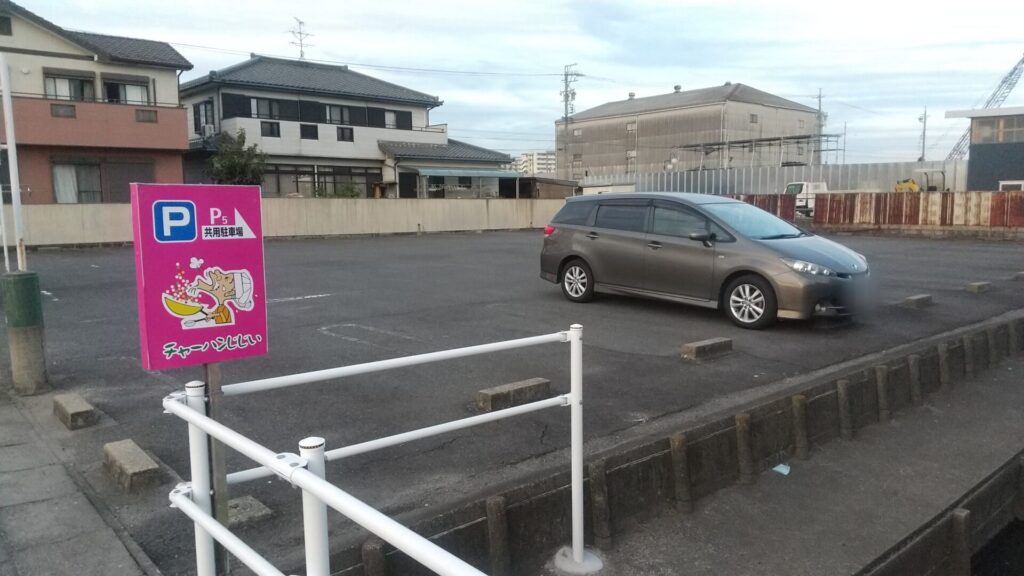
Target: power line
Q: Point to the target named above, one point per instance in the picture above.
(507, 139)
(512, 132)
(377, 66)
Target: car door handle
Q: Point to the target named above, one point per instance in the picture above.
(654, 245)
(593, 235)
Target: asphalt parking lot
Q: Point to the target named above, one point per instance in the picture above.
(334, 302)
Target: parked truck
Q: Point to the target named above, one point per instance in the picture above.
(804, 192)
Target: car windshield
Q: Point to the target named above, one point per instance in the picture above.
(753, 222)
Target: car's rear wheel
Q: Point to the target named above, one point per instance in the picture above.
(750, 302)
(577, 281)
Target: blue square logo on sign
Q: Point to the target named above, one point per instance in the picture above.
(174, 221)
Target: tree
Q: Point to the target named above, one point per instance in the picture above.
(236, 163)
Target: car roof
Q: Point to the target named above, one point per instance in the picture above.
(685, 197)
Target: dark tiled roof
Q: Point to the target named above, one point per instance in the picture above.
(683, 99)
(310, 77)
(454, 150)
(133, 50)
(109, 48)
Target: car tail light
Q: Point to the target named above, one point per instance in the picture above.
(548, 230)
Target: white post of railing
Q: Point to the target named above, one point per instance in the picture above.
(576, 438)
(314, 511)
(199, 460)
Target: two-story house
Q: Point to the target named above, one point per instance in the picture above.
(92, 112)
(330, 131)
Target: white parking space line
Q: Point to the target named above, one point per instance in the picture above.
(298, 298)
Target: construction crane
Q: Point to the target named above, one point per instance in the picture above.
(994, 101)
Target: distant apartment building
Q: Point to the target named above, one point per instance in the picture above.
(533, 163)
(329, 131)
(92, 112)
(731, 125)
(996, 157)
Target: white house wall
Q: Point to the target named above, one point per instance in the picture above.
(27, 69)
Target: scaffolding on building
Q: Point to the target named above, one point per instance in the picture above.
(774, 151)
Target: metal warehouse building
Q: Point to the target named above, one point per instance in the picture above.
(732, 126)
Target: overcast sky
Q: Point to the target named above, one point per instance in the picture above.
(878, 64)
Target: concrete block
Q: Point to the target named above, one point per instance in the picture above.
(130, 466)
(681, 473)
(744, 449)
(706, 349)
(514, 394)
(246, 510)
(74, 411)
(845, 410)
(978, 287)
(375, 563)
(600, 513)
(917, 301)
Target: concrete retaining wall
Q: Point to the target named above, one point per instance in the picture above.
(84, 224)
(643, 478)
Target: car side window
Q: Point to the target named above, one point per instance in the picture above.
(677, 222)
(577, 213)
(628, 217)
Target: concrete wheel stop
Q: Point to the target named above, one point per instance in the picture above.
(566, 566)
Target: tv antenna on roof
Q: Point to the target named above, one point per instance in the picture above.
(300, 34)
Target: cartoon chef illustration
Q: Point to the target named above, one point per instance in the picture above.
(223, 287)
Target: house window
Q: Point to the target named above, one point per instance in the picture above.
(69, 88)
(345, 134)
(800, 150)
(62, 111)
(202, 115)
(631, 127)
(265, 108)
(126, 93)
(800, 123)
(754, 119)
(5, 25)
(631, 165)
(145, 116)
(630, 153)
(338, 115)
(465, 181)
(308, 132)
(77, 183)
(390, 119)
(270, 129)
(577, 131)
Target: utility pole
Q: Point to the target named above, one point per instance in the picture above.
(844, 142)
(923, 119)
(300, 34)
(821, 128)
(568, 93)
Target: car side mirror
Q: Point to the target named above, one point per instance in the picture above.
(705, 237)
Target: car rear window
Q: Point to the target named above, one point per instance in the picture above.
(629, 217)
(577, 213)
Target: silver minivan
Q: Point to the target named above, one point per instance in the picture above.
(704, 250)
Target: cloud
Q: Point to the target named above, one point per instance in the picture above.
(878, 63)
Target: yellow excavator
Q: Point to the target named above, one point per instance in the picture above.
(908, 185)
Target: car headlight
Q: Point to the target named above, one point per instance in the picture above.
(808, 267)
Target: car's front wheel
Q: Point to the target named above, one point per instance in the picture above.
(750, 302)
(577, 281)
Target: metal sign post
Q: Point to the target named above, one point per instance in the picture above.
(218, 467)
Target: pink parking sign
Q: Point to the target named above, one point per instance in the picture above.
(199, 273)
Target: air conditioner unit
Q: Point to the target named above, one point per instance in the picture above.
(208, 130)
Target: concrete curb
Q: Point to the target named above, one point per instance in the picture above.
(706, 349)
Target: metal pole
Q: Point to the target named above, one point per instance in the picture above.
(314, 511)
(576, 416)
(199, 459)
(12, 162)
(218, 468)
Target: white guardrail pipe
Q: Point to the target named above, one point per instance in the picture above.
(233, 543)
(404, 437)
(391, 364)
(412, 544)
